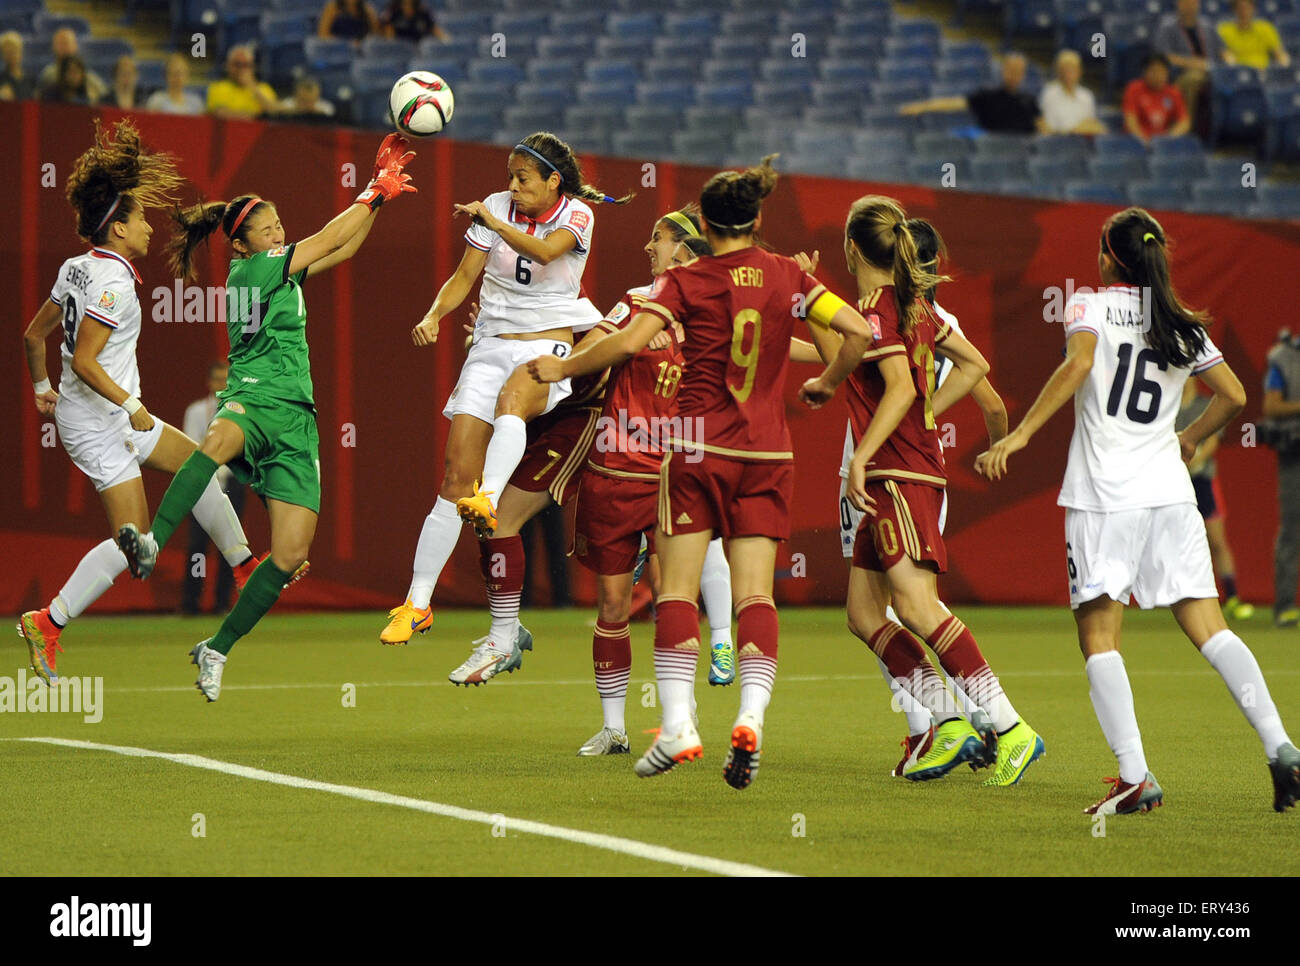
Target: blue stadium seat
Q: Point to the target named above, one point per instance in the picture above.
(824, 143)
(1229, 171)
(915, 30)
(310, 8)
(593, 118)
(480, 129)
(659, 120)
(1034, 18)
(577, 22)
(1276, 192)
(281, 51)
(19, 21)
(461, 50)
(675, 93)
(632, 25)
(968, 77)
(238, 22)
(701, 147)
(481, 99)
(782, 47)
(1282, 137)
(909, 70)
(631, 49)
(780, 100)
(1154, 194)
(640, 144)
(707, 118)
(694, 47)
(1062, 146)
(575, 46)
(725, 95)
(850, 72)
(100, 51)
(1177, 147)
(524, 119)
(1003, 147)
(1078, 21)
(1176, 169)
(919, 49)
(670, 69)
(929, 171)
(1277, 76)
(883, 144)
(855, 48)
(518, 47)
(465, 23)
(830, 93)
(559, 71)
(1128, 39)
(325, 53)
(701, 23)
(754, 142)
(1118, 170)
(729, 72)
(544, 94)
(1057, 170)
(1238, 110)
(822, 165)
(842, 112)
(614, 95)
(751, 24)
(495, 70)
(942, 145)
(878, 8)
(895, 95)
(520, 23)
(810, 23)
(611, 72)
(877, 171)
(1118, 146)
(885, 117)
(988, 170)
(849, 23)
(749, 49)
(1288, 28)
(45, 23)
(1104, 194)
(787, 71)
(1281, 210)
(152, 74)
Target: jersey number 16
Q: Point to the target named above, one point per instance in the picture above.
(1142, 386)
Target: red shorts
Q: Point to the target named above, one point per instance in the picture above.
(612, 513)
(906, 524)
(558, 444)
(728, 497)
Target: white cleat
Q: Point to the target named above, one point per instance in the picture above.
(746, 745)
(486, 661)
(212, 664)
(606, 741)
(140, 550)
(668, 751)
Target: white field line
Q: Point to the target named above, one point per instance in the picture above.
(610, 843)
(589, 682)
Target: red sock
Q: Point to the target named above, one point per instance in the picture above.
(677, 648)
(961, 658)
(757, 631)
(502, 563)
(905, 658)
(611, 656)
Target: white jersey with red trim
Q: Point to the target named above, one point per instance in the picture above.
(1124, 454)
(98, 288)
(521, 295)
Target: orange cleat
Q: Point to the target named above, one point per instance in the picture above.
(479, 511)
(42, 636)
(245, 570)
(404, 621)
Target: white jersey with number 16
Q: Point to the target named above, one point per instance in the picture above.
(1124, 454)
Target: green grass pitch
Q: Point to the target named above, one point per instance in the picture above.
(509, 747)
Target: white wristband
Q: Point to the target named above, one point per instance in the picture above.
(42, 387)
(132, 405)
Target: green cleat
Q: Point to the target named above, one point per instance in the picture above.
(988, 754)
(1018, 748)
(954, 742)
(1285, 769)
(1236, 609)
(1286, 618)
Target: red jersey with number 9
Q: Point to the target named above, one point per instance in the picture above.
(912, 453)
(738, 311)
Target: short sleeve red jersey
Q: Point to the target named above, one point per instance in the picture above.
(738, 311)
(912, 453)
(640, 399)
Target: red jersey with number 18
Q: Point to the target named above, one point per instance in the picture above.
(738, 311)
(912, 453)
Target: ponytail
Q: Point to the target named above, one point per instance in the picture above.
(196, 223)
(1137, 244)
(550, 155)
(877, 226)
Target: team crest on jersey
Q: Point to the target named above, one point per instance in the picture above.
(108, 301)
(235, 407)
(580, 220)
(873, 320)
(277, 252)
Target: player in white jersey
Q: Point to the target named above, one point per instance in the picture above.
(1131, 524)
(103, 425)
(531, 244)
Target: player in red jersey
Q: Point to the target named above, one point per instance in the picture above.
(897, 477)
(730, 467)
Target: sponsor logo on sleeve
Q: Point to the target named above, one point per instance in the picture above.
(277, 252)
(1076, 313)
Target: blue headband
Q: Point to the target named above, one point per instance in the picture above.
(540, 157)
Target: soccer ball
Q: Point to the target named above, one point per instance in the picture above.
(421, 103)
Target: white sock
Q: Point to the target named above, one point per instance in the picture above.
(220, 522)
(509, 439)
(757, 677)
(1112, 699)
(967, 706)
(94, 575)
(715, 590)
(918, 716)
(438, 539)
(1229, 655)
(675, 672)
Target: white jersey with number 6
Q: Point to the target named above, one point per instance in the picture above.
(1124, 454)
(99, 286)
(521, 295)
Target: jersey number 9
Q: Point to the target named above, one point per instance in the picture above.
(745, 360)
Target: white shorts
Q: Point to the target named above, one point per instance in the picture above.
(851, 516)
(102, 443)
(489, 364)
(1159, 555)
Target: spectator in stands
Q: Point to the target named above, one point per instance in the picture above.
(1250, 40)
(240, 93)
(70, 83)
(1006, 108)
(174, 98)
(126, 91)
(410, 20)
(348, 20)
(1193, 46)
(1068, 107)
(64, 44)
(1153, 107)
(15, 85)
(306, 104)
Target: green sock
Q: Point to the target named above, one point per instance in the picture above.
(186, 487)
(258, 596)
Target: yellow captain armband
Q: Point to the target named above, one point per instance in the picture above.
(824, 306)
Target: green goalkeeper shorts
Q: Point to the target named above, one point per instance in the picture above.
(281, 459)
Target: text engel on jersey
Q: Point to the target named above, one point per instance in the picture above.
(1055, 299)
(651, 434)
(179, 302)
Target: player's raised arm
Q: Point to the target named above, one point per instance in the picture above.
(609, 351)
(46, 320)
(969, 369)
(451, 295)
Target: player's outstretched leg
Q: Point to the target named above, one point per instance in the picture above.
(184, 492)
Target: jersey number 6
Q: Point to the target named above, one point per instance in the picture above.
(522, 275)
